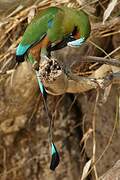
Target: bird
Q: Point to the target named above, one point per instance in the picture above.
(51, 29)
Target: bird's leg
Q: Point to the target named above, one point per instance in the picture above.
(44, 52)
(39, 52)
(35, 52)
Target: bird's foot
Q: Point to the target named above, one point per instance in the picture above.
(44, 58)
(35, 66)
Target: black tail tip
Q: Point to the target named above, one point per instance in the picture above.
(55, 161)
(55, 158)
(20, 59)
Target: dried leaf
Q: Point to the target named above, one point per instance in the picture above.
(86, 169)
(31, 14)
(109, 9)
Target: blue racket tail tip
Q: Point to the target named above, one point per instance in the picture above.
(55, 157)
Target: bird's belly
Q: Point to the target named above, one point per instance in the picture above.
(35, 51)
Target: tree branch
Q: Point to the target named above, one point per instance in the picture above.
(101, 60)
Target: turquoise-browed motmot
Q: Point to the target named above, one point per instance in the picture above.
(54, 28)
(51, 29)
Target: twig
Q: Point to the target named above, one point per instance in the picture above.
(19, 8)
(7, 72)
(112, 52)
(108, 144)
(102, 60)
(98, 47)
(111, 26)
(94, 135)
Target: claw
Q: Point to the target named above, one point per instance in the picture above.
(44, 57)
(35, 66)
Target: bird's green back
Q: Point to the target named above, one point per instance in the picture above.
(39, 26)
(56, 23)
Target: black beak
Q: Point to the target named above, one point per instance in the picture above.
(20, 59)
(62, 44)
